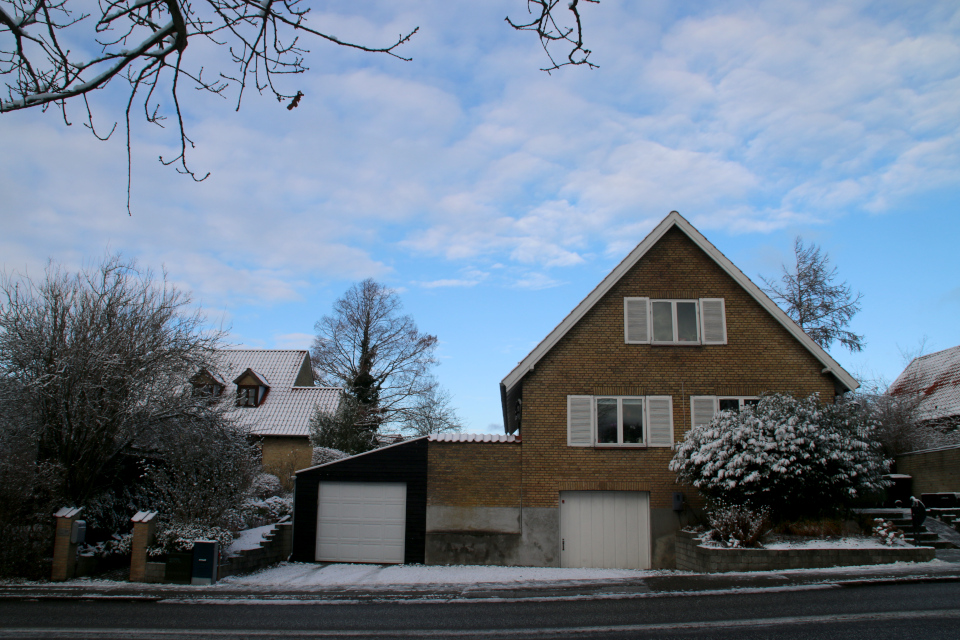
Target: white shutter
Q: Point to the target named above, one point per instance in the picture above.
(579, 421)
(636, 320)
(703, 408)
(660, 421)
(713, 321)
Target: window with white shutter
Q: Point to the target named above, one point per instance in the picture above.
(580, 421)
(660, 420)
(703, 408)
(713, 320)
(636, 320)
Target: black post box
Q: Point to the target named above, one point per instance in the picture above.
(206, 557)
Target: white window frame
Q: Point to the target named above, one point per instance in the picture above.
(740, 400)
(715, 401)
(583, 408)
(619, 442)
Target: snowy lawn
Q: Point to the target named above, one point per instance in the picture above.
(803, 542)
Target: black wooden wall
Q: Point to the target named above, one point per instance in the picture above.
(404, 462)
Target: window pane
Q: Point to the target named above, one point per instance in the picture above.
(730, 404)
(662, 322)
(687, 321)
(633, 421)
(607, 420)
(750, 402)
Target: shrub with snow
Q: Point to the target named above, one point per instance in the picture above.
(323, 455)
(796, 457)
(266, 485)
(179, 536)
(736, 525)
(116, 545)
(888, 532)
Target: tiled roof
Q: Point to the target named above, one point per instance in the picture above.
(937, 377)
(286, 411)
(472, 437)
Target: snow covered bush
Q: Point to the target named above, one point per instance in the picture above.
(888, 532)
(266, 485)
(736, 525)
(116, 545)
(796, 457)
(323, 455)
(179, 536)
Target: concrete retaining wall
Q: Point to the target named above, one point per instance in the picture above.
(692, 557)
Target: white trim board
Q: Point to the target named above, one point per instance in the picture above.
(674, 219)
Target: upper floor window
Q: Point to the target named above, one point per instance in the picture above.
(247, 396)
(680, 322)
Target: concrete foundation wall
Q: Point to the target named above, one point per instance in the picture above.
(933, 471)
(443, 519)
(535, 543)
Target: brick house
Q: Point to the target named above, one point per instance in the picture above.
(673, 334)
(275, 399)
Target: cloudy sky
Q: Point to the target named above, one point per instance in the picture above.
(494, 196)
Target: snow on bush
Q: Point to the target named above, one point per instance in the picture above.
(737, 525)
(323, 455)
(117, 545)
(178, 536)
(888, 532)
(266, 485)
(796, 457)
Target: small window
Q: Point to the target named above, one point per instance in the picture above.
(736, 404)
(247, 396)
(675, 321)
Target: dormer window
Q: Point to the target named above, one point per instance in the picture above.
(246, 396)
(252, 389)
(206, 384)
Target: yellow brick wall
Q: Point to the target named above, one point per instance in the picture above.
(473, 474)
(592, 359)
(282, 455)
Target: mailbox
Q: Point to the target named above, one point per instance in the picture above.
(677, 501)
(206, 557)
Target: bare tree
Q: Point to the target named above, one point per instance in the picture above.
(100, 361)
(58, 51)
(432, 413)
(807, 293)
(378, 355)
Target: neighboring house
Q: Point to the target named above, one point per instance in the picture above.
(672, 335)
(275, 399)
(933, 381)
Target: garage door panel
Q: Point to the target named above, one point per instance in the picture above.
(361, 522)
(605, 529)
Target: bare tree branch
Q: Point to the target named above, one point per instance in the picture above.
(545, 24)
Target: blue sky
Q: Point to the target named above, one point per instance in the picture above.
(494, 197)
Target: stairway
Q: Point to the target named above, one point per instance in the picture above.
(901, 519)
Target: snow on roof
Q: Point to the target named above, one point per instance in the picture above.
(937, 377)
(287, 409)
(472, 437)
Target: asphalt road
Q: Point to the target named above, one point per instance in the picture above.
(929, 611)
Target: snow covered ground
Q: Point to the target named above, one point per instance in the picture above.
(249, 539)
(299, 575)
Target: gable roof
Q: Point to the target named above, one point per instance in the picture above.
(287, 409)
(672, 220)
(937, 377)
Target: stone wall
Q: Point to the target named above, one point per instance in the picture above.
(692, 557)
(933, 471)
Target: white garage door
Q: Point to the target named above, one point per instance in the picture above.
(361, 521)
(606, 529)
